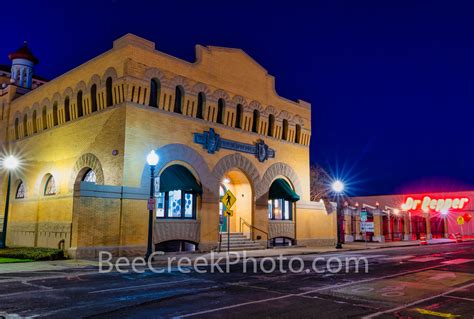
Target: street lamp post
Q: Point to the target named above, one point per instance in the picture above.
(10, 163)
(152, 160)
(338, 189)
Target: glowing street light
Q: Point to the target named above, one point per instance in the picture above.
(152, 160)
(338, 188)
(10, 163)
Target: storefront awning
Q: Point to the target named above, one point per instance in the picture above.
(177, 177)
(280, 189)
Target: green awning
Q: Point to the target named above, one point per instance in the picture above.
(177, 177)
(280, 189)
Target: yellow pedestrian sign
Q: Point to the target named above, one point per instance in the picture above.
(460, 220)
(229, 213)
(228, 200)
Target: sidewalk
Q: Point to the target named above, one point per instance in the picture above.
(64, 265)
(298, 250)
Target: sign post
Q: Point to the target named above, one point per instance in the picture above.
(228, 200)
(460, 221)
(363, 219)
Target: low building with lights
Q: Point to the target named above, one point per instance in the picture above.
(409, 216)
(217, 124)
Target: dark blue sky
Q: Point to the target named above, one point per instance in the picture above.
(391, 82)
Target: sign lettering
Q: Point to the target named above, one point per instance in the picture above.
(434, 204)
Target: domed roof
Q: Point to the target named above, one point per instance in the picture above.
(23, 53)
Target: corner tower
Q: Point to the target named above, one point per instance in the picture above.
(23, 63)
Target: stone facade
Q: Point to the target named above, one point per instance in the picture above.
(107, 114)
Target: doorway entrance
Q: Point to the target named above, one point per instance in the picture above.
(236, 181)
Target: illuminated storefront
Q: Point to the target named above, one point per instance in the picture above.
(408, 216)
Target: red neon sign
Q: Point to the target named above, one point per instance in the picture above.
(427, 203)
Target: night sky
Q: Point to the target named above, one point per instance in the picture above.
(390, 82)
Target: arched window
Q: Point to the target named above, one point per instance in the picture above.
(201, 105)
(271, 124)
(155, 89)
(220, 111)
(50, 186)
(178, 191)
(284, 134)
(25, 125)
(35, 128)
(20, 190)
(298, 134)
(67, 114)
(179, 99)
(55, 114)
(44, 118)
(108, 91)
(280, 200)
(238, 117)
(89, 176)
(17, 123)
(256, 119)
(94, 98)
(80, 111)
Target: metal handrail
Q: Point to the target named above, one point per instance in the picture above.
(220, 237)
(252, 228)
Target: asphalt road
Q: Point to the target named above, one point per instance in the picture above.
(412, 282)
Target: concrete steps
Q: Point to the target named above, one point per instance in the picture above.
(239, 242)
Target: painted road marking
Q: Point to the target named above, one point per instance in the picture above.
(457, 261)
(438, 278)
(443, 275)
(461, 298)
(140, 286)
(398, 258)
(418, 302)
(425, 259)
(436, 313)
(302, 294)
(409, 287)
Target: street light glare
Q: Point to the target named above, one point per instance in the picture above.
(338, 186)
(10, 162)
(152, 158)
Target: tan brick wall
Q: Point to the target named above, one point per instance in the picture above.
(130, 129)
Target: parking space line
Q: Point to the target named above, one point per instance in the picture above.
(461, 298)
(140, 286)
(302, 294)
(418, 301)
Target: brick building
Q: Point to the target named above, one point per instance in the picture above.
(409, 216)
(216, 123)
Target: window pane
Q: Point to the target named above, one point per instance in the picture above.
(20, 192)
(222, 191)
(174, 203)
(50, 188)
(287, 210)
(160, 205)
(90, 176)
(188, 205)
(269, 209)
(277, 209)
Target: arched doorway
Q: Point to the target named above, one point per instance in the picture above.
(281, 212)
(242, 211)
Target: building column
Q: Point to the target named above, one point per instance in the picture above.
(378, 227)
(358, 235)
(348, 237)
(428, 226)
(389, 226)
(445, 222)
(407, 226)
